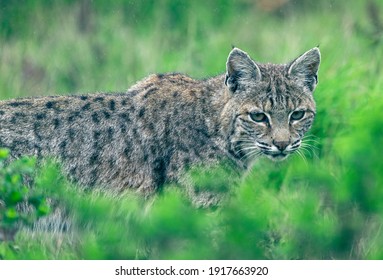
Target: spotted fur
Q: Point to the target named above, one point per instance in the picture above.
(147, 136)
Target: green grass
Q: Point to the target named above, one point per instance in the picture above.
(329, 206)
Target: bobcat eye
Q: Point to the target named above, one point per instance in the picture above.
(258, 117)
(297, 115)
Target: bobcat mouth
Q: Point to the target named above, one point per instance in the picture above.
(280, 155)
(276, 156)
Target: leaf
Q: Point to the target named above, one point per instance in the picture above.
(43, 209)
(15, 197)
(15, 179)
(36, 201)
(4, 153)
(11, 214)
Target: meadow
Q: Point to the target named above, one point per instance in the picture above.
(324, 204)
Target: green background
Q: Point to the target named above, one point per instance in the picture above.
(327, 204)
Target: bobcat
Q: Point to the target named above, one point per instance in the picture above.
(149, 135)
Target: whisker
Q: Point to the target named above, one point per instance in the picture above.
(248, 148)
(310, 141)
(302, 156)
(310, 136)
(244, 141)
(310, 150)
(252, 153)
(308, 146)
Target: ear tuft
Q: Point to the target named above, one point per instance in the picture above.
(241, 69)
(305, 68)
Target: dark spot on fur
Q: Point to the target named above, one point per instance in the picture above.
(160, 76)
(147, 86)
(110, 133)
(85, 107)
(135, 133)
(83, 97)
(123, 128)
(132, 92)
(94, 158)
(98, 99)
(96, 135)
(56, 123)
(73, 116)
(163, 104)
(183, 147)
(36, 128)
(152, 149)
(125, 117)
(40, 116)
(95, 118)
(112, 105)
(19, 114)
(160, 170)
(2, 112)
(106, 114)
(186, 161)
(62, 145)
(150, 92)
(202, 132)
(141, 112)
(49, 104)
(176, 94)
(72, 172)
(151, 126)
(19, 103)
(124, 102)
(13, 120)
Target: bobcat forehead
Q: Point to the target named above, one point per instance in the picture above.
(150, 134)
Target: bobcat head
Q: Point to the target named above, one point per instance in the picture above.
(271, 106)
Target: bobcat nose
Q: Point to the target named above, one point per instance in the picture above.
(281, 145)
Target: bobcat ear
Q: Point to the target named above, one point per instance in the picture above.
(305, 68)
(241, 69)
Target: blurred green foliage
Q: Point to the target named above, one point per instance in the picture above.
(19, 205)
(326, 206)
